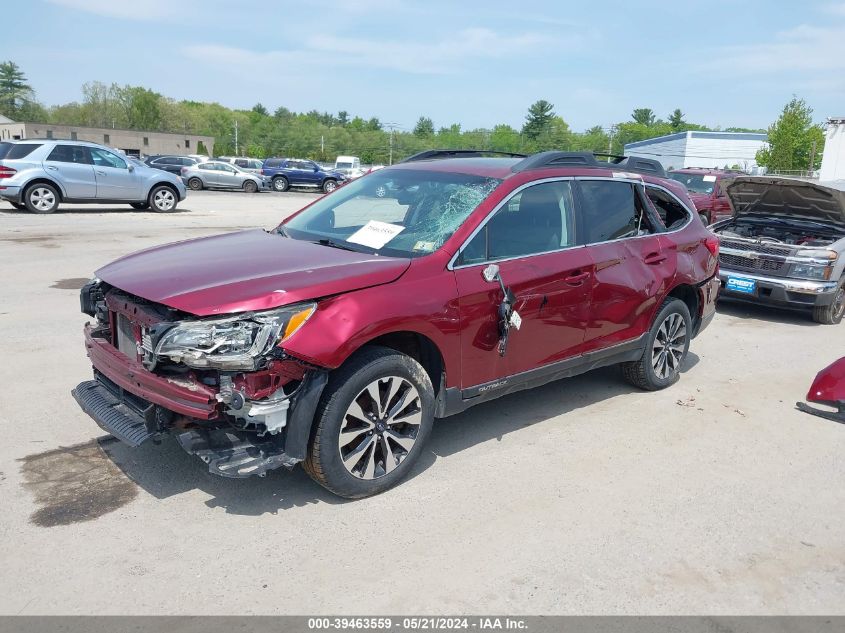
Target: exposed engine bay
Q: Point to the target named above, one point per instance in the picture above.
(777, 233)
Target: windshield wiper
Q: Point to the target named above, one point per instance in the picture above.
(333, 244)
(281, 231)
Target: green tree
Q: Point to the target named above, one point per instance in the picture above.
(791, 139)
(676, 119)
(538, 119)
(258, 108)
(15, 92)
(343, 118)
(643, 116)
(424, 127)
(143, 108)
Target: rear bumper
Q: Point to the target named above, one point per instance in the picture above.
(795, 293)
(708, 293)
(192, 399)
(11, 193)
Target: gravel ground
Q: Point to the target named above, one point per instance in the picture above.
(584, 496)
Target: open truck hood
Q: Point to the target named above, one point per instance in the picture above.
(787, 198)
(244, 271)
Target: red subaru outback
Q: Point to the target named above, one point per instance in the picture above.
(407, 295)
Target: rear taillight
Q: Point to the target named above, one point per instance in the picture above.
(262, 173)
(183, 171)
(7, 172)
(712, 244)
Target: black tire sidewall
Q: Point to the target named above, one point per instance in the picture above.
(31, 208)
(676, 305)
(327, 183)
(250, 187)
(151, 199)
(280, 183)
(192, 182)
(335, 402)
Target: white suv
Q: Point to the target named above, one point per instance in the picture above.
(38, 174)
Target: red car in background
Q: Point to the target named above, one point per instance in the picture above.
(703, 185)
(409, 294)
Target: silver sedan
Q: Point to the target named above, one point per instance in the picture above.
(220, 175)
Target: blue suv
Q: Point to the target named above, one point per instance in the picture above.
(285, 173)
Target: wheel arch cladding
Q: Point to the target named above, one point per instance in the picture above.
(689, 295)
(44, 181)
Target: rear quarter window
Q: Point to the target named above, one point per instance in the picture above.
(15, 151)
(273, 162)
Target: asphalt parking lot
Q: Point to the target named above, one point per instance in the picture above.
(584, 496)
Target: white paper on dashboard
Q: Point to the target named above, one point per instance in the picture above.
(709, 179)
(375, 234)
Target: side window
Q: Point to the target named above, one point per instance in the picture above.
(70, 154)
(241, 162)
(671, 212)
(536, 220)
(102, 158)
(206, 166)
(611, 211)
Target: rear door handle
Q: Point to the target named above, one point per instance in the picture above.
(653, 259)
(576, 278)
(101, 173)
(52, 167)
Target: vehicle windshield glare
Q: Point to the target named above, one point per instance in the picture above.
(400, 212)
(695, 182)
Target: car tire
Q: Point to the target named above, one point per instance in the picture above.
(280, 183)
(163, 199)
(41, 198)
(832, 314)
(250, 187)
(380, 442)
(195, 184)
(139, 205)
(666, 348)
(329, 185)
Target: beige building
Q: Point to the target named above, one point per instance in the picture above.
(132, 142)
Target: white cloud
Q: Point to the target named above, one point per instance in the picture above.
(835, 8)
(438, 57)
(123, 9)
(809, 50)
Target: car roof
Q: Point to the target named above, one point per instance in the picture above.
(707, 170)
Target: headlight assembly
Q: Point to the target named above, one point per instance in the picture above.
(231, 343)
(811, 271)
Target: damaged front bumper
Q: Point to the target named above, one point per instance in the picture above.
(235, 435)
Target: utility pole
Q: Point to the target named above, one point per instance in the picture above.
(610, 139)
(236, 138)
(391, 146)
(811, 166)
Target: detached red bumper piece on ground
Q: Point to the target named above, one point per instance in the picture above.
(828, 389)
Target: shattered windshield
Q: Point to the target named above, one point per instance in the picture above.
(394, 212)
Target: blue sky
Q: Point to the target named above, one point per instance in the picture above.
(475, 63)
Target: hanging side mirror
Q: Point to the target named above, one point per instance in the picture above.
(507, 317)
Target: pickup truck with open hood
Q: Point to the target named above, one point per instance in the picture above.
(785, 244)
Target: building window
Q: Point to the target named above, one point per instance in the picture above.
(49, 133)
(73, 136)
(146, 141)
(187, 143)
(106, 139)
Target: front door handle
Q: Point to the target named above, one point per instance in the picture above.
(653, 259)
(101, 173)
(576, 278)
(52, 168)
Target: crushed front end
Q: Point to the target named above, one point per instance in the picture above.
(223, 385)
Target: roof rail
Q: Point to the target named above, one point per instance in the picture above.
(588, 159)
(436, 154)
